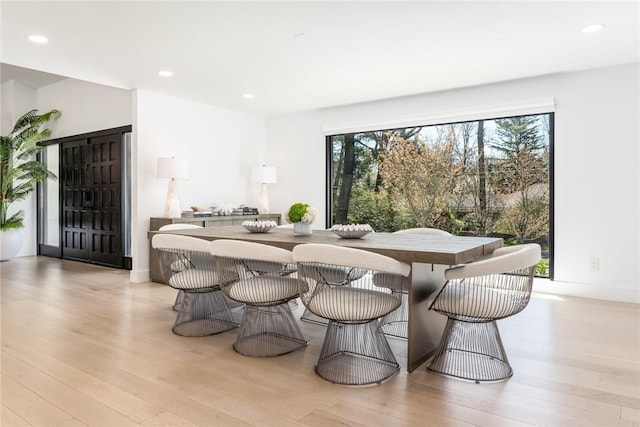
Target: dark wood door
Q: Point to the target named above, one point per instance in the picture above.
(91, 200)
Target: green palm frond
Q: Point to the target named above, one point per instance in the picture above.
(15, 221)
(19, 171)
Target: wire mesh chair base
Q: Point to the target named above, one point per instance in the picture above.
(267, 331)
(355, 354)
(396, 323)
(204, 313)
(180, 297)
(178, 302)
(471, 351)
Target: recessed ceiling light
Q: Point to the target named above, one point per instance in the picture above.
(35, 38)
(165, 73)
(247, 96)
(593, 28)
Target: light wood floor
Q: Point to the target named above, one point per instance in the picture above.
(81, 346)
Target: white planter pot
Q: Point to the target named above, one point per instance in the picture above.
(10, 244)
(301, 229)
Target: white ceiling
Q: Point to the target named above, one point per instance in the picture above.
(300, 55)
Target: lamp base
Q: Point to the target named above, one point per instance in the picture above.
(263, 201)
(172, 205)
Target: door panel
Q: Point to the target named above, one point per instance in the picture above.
(75, 188)
(92, 226)
(105, 209)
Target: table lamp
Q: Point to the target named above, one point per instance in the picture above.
(172, 168)
(264, 175)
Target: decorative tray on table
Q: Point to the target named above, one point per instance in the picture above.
(352, 231)
(259, 226)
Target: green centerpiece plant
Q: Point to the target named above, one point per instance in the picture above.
(302, 215)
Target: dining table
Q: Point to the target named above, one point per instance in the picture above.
(429, 256)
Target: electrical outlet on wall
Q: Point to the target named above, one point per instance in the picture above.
(594, 264)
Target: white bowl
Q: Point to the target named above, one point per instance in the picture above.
(259, 226)
(352, 231)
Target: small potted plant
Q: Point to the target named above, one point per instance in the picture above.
(19, 173)
(302, 215)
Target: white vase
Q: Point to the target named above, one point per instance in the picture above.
(301, 229)
(10, 244)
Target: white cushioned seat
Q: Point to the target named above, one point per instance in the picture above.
(352, 304)
(264, 289)
(194, 278)
(479, 302)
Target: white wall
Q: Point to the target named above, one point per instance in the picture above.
(597, 186)
(86, 107)
(17, 99)
(221, 146)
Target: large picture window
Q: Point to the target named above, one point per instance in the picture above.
(478, 178)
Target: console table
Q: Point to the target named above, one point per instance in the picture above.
(212, 221)
(429, 256)
(204, 221)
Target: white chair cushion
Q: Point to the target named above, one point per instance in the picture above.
(194, 278)
(481, 302)
(352, 304)
(265, 289)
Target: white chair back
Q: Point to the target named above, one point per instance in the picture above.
(174, 241)
(249, 250)
(179, 226)
(502, 260)
(337, 255)
(425, 231)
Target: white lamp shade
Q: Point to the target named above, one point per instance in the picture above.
(264, 174)
(173, 168)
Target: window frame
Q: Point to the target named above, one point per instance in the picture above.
(329, 173)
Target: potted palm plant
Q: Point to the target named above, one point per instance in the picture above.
(19, 173)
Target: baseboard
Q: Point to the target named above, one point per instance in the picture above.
(584, 290)
(137, 276)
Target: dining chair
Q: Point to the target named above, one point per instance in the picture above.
(474, 296)
(178, 265)
(204, 309)
(260, 276)
(354, 351)
(334, 274)
(395, 324)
